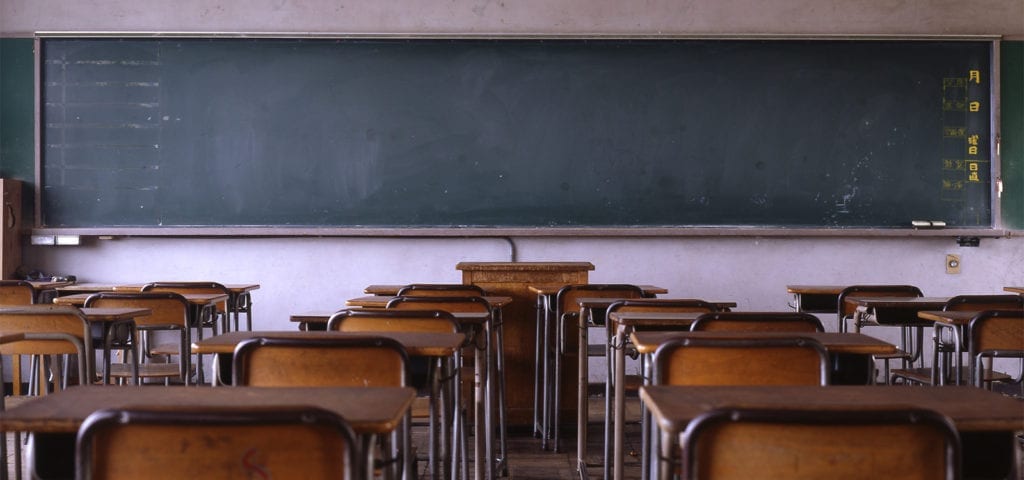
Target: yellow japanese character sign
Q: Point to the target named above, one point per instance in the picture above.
(974, 76)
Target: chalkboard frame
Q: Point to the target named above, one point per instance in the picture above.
(991, 231)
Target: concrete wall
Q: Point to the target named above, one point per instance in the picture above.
(521, 16)
(302, 274)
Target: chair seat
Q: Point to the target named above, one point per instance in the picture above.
(164, 349)
(146, 370)
(899, 354)
(924, 375)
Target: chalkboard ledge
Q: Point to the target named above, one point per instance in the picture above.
(231, 231)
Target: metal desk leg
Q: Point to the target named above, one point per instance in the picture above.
(608, 385)
(479, 374)
(645, 423)
(489, 391)
(619, 347)
(538, 429)
(556, 379)
(502, 405)
(581, 404)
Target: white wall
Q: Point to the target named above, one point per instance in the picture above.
(314, 274)
(301, 274)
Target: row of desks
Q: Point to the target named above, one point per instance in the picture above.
(825, 298)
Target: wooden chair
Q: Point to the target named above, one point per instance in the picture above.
(994, 334)
(236, 443)
(4, 475)
(555, 343)
(41, 330)
(17, 292)
(479, 339)
(910, 350)
(735, 361)
(169, 313)
(668, 305)
(741, 361)
(442, 376)
(942, 369)
(440, 290)
(796, 444)
(757, 322)
(337, 362)
(49, 330)
(222, 312)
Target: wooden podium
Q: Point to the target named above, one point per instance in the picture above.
(520, 322)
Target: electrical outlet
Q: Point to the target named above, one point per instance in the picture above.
(952, 264)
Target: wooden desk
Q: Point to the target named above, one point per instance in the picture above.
(198, 299)
(846, 351)
(488, 372)
(835, 342)
(894, 310)
(202, 308)
(239, 294)
(381, 301)
(543, 403)
(239, 298)
(47, 289)
(87, 287)
(816, 298)
(389, 290)
(317, 321)
(897, 312)
(56, 418)
(416, 344)
(986, 421)
(957, 322)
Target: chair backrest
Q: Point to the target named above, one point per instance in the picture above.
(445, 304)
(846, 309)
(757, 322)
(17, 292)
(48, 330)
(376, 320)
(229, 443)
(795, 444)
(190, 287)
(440, 290)
(308, 362)
(568, 296)
(741, 361)
(984, 302)
(994, 333)
(168, 309)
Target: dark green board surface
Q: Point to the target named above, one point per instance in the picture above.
(239, 132)
(1012, 116)
(17, 134)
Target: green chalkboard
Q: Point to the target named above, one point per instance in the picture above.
(1012, 117)
(175, 132)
